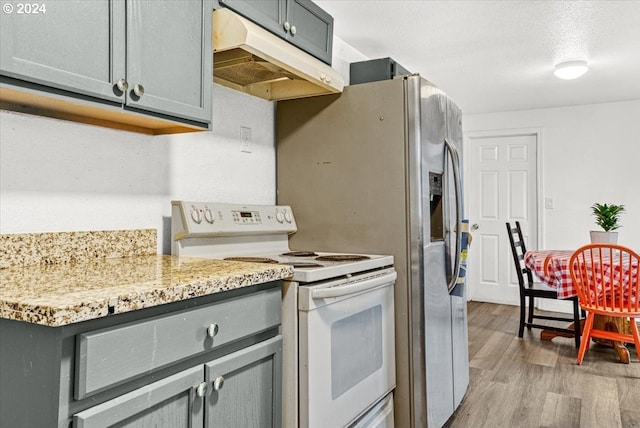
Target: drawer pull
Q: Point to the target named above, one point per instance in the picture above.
(218, 383)
(212, 330)
(201, 390)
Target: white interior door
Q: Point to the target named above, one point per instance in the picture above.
(502, 185)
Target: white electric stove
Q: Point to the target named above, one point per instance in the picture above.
(337, 311)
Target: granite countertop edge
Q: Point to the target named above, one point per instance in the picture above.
(59, 295)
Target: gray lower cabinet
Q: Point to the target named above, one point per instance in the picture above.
(239, 390)
(172, 402)
(149, 57)
(211, 361)
(252, 377)
(301, 22)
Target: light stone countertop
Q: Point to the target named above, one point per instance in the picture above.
(66, 293)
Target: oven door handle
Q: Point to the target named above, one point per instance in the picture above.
(357, 287)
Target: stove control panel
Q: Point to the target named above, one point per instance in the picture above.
(203, 219)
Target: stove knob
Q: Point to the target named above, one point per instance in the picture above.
(287, 216)
(195, 216)
(208, 215)
(279, 216)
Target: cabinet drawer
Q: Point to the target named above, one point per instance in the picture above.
(114, 355)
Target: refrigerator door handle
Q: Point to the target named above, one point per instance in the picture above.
(455, 161)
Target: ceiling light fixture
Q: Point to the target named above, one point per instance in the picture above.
(570, 69)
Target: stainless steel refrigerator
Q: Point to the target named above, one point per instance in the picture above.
(377, 170)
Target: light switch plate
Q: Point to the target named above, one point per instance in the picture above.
(245, 139)
(548, 203)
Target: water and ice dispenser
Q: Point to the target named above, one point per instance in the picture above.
(436, 207)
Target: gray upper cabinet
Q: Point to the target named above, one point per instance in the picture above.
(168, 54)
(301, 22)
(149, 57)
(76, 46)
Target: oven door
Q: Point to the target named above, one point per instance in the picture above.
(346, 355)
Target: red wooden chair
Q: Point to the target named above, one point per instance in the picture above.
(607, 278)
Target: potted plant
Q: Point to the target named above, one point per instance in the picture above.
(608, 218)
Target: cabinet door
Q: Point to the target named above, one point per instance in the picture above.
(73, 45)
(169, 57)
(269, 14)
(245, 388)
(313, 28)
(170, 402)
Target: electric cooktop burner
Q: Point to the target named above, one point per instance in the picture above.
(299, 254)
(251, 259)
(342, 258)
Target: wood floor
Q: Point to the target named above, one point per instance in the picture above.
(532, 383)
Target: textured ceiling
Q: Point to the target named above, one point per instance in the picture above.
(492, 56)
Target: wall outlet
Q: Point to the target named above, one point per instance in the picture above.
(548, 203)
(245, 139)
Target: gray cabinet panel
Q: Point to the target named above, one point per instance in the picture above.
(168, 53)
(73, 45)
(112, 355)
(170, 402)
(269, 14)
(91, 50)
(314, 28)
(250, 396)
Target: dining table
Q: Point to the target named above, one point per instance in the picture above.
(551, 267)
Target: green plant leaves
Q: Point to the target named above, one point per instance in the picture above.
(607, 215)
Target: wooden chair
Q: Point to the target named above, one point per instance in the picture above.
(607, 278)
(530, 290)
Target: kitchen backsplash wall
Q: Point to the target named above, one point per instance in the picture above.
(63, 176)
(28, 249)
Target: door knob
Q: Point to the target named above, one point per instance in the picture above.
(474, 226)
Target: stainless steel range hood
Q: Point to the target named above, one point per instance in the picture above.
(250, 59)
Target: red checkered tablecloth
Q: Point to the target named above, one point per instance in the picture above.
(552, 268)
(556, 273)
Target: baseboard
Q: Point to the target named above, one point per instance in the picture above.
(555, 305)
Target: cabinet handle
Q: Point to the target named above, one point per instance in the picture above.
(218, 383)
(293, 30)
(201, 390)
(138, 90)
(286, 26)
(122, 85)
(212, 330)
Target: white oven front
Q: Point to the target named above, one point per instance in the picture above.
(346, 348)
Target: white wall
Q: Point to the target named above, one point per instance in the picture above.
(590, 153)
(63, 176)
